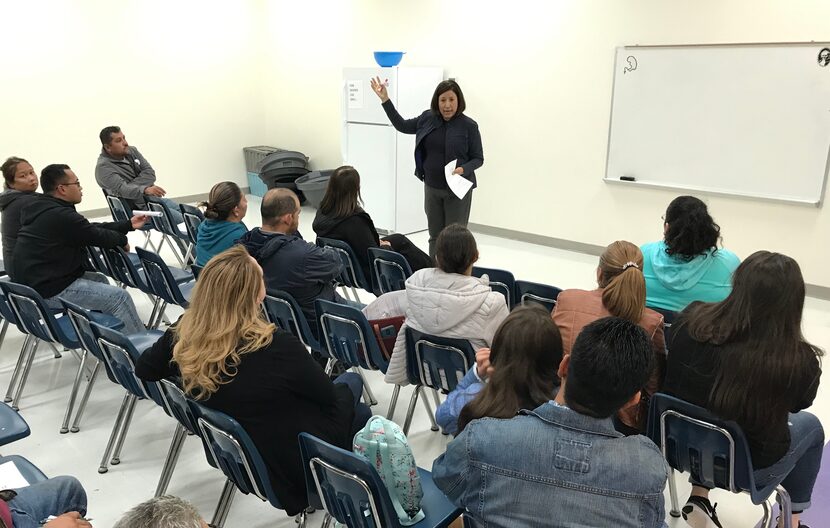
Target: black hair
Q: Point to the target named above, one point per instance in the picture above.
(445, 86)
(691, 231)
(276, 203)
(455, 249)
(106, 134)
(223, 197)
(9, 169)
(342, 198)
(51, 176)
(611, 360)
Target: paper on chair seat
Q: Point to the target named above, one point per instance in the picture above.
(458, 184)
(147, 213)
(10, 477)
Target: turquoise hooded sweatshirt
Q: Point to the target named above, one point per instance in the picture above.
(215, 236)
(672, 283)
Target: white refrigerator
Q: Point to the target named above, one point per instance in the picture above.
(385, 159)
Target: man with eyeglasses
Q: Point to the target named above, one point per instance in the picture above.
(50, 250)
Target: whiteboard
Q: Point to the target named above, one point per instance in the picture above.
(737, 119)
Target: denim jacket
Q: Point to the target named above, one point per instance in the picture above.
(553, 467)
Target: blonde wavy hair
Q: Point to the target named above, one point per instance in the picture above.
(224, 322)
(622, 281)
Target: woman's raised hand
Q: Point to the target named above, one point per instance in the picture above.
(379, 87)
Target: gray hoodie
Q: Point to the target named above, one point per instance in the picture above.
(449, 305)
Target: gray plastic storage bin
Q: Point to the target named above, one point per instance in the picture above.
(314, 185)
(255, 155)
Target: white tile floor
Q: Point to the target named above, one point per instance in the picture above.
(135, 479)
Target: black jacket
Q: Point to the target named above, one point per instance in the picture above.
(277, 393)
(357, 230)
(12, 204)
(463, 140)
(50, 255)
(293, 265)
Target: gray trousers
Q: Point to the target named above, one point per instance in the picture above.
(444, 208)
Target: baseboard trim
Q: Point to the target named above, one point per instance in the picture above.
(192, 198)
(812, 290)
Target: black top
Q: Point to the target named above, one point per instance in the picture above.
(690, 375)
(462, 140)
(50, 254)
(12, 204)
(277, 393)
(357, 230)
(435, 154)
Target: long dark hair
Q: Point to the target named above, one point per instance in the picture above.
(525, 356)
(763, 354)
(691, 231)
(342, 196)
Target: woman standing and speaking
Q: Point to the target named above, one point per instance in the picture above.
(442, 134)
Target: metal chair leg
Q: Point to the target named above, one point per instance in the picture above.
(3, 331)
(224, 505)
(430, 412)
(368, 395)
(767, 521)
(73, 395)
(76, 424)
(436, 398)
(128, 418)
(24, 375)
(172, 458)
(675, 504)
(115, 429)
(326, 521)
(395, 392)
(411, 410)
(785, 506)
(175, 251)
(354, 292)
(57, 352)
(18, 368)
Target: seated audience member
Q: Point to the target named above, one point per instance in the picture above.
(122, 171)
(564, 464)
(341, 217)
(50, 254)
(519, 369)
(687, 264)
(621, 293)
(20, 181)
(60, 497)
(446, 300)
(231, 359)
(746, 360)
(162, 512)
(224, 211)
(291, 264)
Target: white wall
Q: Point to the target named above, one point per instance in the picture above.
(537, 76)
(180, 78)
(193, 82)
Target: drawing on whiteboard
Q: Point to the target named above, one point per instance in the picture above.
(632, 64)
(824, 57)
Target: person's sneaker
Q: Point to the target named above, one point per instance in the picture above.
(699, 513)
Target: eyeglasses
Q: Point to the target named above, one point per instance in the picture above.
(78, 183)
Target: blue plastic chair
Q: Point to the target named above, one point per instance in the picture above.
(282, 310)
(196, 271)
(501, 281)
(543, 294)
(192, 218)
(120, 210)
(235, 454)
(346, 336)
(436, 362)
(167, 226)
(350, 490)
(120, 355)
(161, 281)
(390, 269)
(352, 274)
(712, 450)
(12, 426)
(82, 320)
(40, 322)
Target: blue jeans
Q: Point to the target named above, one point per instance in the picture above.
(55, 496)
(801, 463)
(94, 292)
(362, 412)
(174, 209)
